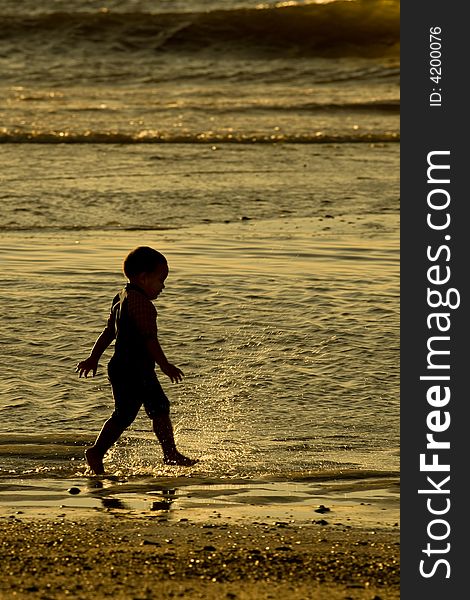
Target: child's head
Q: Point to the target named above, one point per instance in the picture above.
(142, 260)
(147, 268)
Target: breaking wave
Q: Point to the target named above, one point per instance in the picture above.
(341, 28)
(156, 137)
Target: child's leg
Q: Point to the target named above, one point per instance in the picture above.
(164, 431)
(109, 435)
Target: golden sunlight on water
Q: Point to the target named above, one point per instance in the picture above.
(258, 318)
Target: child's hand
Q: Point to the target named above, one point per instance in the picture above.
(85, 366)
(176, 375)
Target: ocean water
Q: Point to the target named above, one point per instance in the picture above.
(210, 71)
(257, 147)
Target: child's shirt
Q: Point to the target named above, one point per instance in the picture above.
(132, 322)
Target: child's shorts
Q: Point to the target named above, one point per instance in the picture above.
(131, 391)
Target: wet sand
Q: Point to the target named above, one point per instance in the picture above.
(206, 542)
(141, 558)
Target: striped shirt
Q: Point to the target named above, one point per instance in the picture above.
(133, 322)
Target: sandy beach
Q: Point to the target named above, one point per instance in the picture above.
(128, 558)
(208, 542)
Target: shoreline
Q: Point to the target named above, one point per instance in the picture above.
(347, 498)
(237, 540)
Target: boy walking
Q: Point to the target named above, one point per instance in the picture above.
(131, 370)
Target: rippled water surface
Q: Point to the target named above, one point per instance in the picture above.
(281, 306)
(256, 145)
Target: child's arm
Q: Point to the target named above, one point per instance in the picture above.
(175, 374)
(91, 363)
(144, 315)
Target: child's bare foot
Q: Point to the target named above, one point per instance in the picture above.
(179, 460)
(94, 460)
